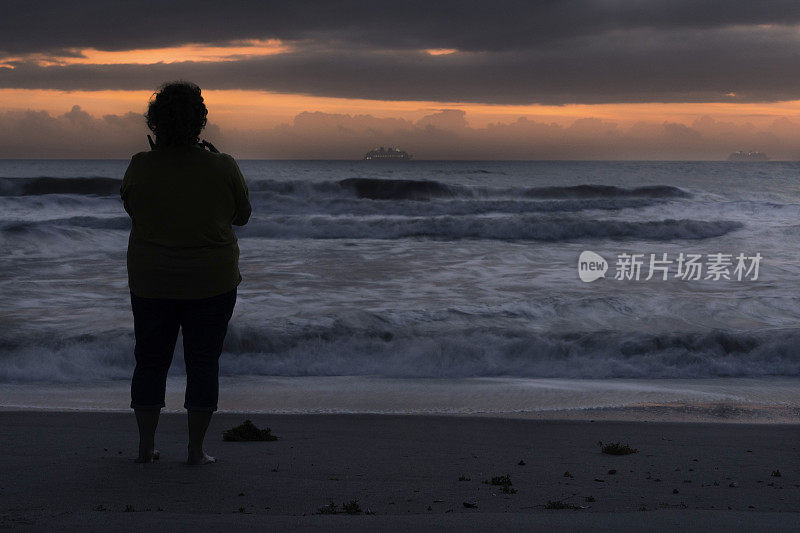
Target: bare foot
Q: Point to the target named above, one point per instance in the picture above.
(148, 457)
(200, 459)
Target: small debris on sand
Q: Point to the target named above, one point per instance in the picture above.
(558, 504)
(247, 431)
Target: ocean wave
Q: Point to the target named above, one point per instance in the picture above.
(96, 185)
(466, 172)
(43, 239)
(442, 227)
(486, 352)
(90, 222)
(458, 207)
(394, 189)
(363, 188)
(488, 227)
(607, 191)
(380, 349)
(296, 187)
(420, 190)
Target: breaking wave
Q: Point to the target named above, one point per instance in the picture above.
(377, 347)
(47, 185)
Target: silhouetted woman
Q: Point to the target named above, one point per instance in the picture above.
(182, 261)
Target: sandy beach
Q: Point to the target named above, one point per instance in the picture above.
(75, 471)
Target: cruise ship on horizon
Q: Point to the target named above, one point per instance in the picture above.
(387, 154)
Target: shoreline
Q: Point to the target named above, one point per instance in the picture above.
(770, 400)
(74, 470)
(655, 414)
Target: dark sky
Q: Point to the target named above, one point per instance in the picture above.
(513, 52)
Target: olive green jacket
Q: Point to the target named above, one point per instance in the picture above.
(182, 203)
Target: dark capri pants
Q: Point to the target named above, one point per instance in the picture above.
(156, 321)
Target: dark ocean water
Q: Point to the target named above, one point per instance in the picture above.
(425, 269)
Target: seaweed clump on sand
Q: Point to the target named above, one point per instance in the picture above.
(616, 448)
(247, 431)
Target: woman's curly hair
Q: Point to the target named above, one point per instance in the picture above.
(177, 114)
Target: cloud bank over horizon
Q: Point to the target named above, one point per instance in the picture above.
(445, 134)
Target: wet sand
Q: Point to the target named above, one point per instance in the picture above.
(75, 471)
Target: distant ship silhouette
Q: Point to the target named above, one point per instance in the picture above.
(387, 154)
(747, 156)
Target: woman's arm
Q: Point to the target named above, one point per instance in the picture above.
(124, 190)
(241, 196)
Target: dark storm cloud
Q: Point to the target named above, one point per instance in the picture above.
(48, 25)
(756, 64)
(513, 52)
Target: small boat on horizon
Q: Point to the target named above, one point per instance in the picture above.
(747, 156)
